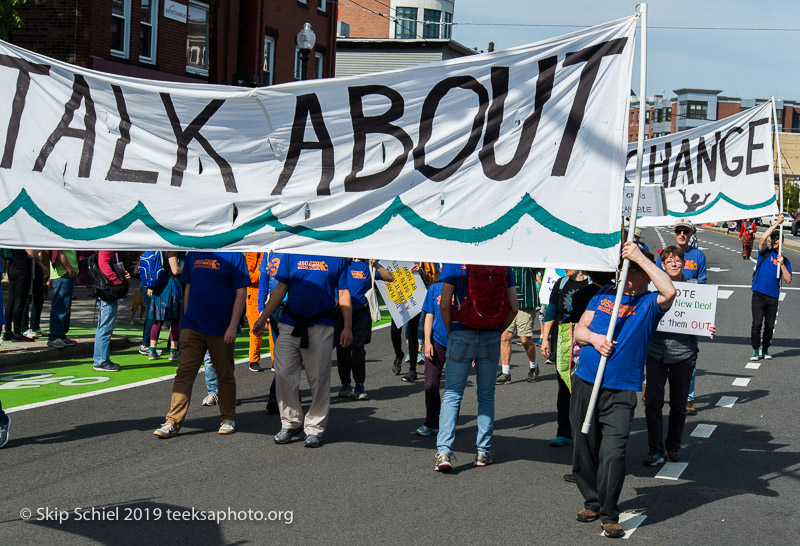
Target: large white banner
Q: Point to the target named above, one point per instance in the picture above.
(720, 171)
(514, 157)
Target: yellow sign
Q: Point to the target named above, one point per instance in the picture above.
(403, 287)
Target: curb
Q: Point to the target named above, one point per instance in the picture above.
(42, 353)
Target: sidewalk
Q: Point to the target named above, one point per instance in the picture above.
(83, 323)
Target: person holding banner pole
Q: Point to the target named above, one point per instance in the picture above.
(770, 267)
(616, 369)
(671, 357)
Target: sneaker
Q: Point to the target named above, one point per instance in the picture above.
(7, 336)
(767, 356)
(360, 393)
(210, 400)
(110, 367)
(569, 478)
(272, 405)
(152, 354)
(4, 431)
(166, 431)
(427, 431)
(587, 516)
(549, 362)
(613, 530)
(173, 355)
(443, 461)
(227, 426)
(144, 350)
(410, 377)
(420, 358)
(690, 409)
(755, 356)
(533, 375)
(312, 440)
(503, 379)
(673, 456)
(70, 342)
(31, 334)
(255, 367)
(285, 435)
(396, 365)
(346, 392)
(483, 458)
(561, 441)
(499, 372)
(56, 343)
(654, 459)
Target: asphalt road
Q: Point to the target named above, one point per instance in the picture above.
(373, 480)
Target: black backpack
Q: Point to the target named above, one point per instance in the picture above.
(100, 286)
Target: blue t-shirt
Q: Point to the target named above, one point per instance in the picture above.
(431, 305)
(266, 282)
(694, 265)
(358, 281)
(313, 283)
(214, 278)
(456, 274)
(766, 278)
(637, 321)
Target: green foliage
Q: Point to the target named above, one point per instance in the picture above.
(9, 18)
(791, 196)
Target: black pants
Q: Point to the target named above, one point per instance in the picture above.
(31, 316)
(562, 406)
(19, 279)
(353, 358)
(598, 458)
(433, 380)
(413, 342)
(679, 375)
(764, 309)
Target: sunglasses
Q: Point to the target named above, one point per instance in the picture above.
(684, 231)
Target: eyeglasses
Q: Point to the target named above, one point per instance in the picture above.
(675, 261)
(682, 231)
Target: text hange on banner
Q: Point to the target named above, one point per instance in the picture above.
(693, 311)
(468, 158)
(720, 171)
(405, 295)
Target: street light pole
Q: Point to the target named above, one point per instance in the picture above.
(305, 43)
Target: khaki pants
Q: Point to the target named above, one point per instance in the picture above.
(190, 358)
(317, 361)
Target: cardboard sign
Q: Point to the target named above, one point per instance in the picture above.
(405, 295)
(693, 311)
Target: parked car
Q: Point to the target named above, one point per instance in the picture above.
(788, 220)
(796, 226)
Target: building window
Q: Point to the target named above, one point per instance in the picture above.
(148, 30)
(647, 116)
(120, 27)
(405, 26)
(631, 122)
(319, 59)
(269, 60)
(430, 29)
(447, 27)
(323, 5)
(668, 113)
(697, 110)
(659, 115)
(197, 39)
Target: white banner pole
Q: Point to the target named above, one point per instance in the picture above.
(623, 278)
(780, 178)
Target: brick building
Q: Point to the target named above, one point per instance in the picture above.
(242, 42)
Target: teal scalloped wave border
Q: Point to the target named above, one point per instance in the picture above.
(723, 197)
(526, 206)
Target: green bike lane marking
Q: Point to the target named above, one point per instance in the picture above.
(34, 385)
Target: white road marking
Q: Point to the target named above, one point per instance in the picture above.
(727, 401)
(672, 471)
(741, 381)
(782, 296)
(124, 387)
(752, 365)
(702, 248)
(754, 260)
(660, 238)
(703, 431)
(748, 286)
(724, 294)
(630, 521)
(716, 269)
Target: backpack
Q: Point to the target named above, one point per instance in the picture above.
(486, 306)
(99, 286)
(151, 269)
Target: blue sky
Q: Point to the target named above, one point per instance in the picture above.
(749, 64)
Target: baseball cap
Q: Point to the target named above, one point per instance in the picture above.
(683, 222)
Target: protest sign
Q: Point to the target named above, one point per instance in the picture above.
(693, 311)
(652, 201)
(549, 279)
(720, 171)
(470, 157)
(405, 295)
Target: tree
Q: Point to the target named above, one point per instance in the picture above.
(9, 18)
(791, 193)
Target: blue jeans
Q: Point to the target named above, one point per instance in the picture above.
(63, 287)
(211, 375)
(105, 327)
(691, 386)
(464, 346)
